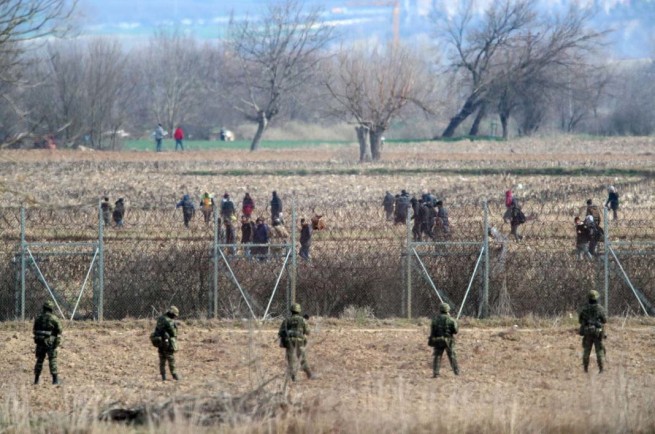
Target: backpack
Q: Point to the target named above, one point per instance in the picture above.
(155, 340)
(207, 202)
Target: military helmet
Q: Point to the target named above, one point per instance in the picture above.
(444, 308)
(593, 295)
(49, 305)
(173, 311)
(295, 308)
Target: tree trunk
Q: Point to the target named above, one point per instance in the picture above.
(262, 123)
(504, 120)
(376, 144)
(475, 128)
(362, 137)
(469, 108)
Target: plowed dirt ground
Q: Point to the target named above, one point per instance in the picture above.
(377, 367)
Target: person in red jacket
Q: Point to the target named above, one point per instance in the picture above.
(178, 135)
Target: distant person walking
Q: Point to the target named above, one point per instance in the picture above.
(248, 205)
(119, 212)
(188, 209)
(582, 239)
(612, 201)
(106, 209)
(276, 208)
(388, 203)
(207, 206)
(305, 239)
(159, 136)
(178, 135)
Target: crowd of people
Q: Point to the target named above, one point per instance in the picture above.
(430, 218)
(258, 237)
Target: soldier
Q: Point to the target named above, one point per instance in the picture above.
(592, 319)
(293, 336)
(188, 209)
(441, 338)
(47, 337)
(165, 338)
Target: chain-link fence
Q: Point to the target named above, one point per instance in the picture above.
(359, 258)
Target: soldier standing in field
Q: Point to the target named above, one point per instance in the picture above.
(592, 320)
(388, 203)
(293, 336)
(442, 339)
(165, 339)
(47, 337)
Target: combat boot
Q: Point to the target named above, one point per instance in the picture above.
(175, 377)
(456, 371)
(55, 380)
(163, 377)
(36, 378)
(308, 373)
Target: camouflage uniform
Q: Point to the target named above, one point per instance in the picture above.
(47, 337)
(167, 330)
(441, 338)
(293, 336)
(592, 318)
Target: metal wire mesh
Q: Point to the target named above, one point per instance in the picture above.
(359, 258)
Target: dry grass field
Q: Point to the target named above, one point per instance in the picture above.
(373, 375)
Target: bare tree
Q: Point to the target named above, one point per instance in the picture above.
(474, 46)
(372, 88)
(171, 71)
(273, 58)
(515, 57)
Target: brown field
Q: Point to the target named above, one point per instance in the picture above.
(372, 376)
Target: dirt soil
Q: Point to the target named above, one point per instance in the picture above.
(355, 364)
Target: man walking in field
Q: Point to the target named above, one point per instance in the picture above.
(188, 209)
(388, 203)
(47, 337)
(159, 136)
(592, 320)
(178, 135)
(293, 336)
(165, 339)
(305, 239)
(442, 339)
(106, 209)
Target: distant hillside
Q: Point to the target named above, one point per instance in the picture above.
(632, 20)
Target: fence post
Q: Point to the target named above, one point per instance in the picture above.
(22, 263)
(294, 257)
(484, 312)
(408, 266)
(606, 261)
(100, 290)
(213, 291)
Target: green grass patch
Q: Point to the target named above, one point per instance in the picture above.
(210, 145)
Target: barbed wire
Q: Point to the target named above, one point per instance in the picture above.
(359, 258)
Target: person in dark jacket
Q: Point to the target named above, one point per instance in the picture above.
(388, 203)
(582, 238)
(247, 233)
(227, 208)
(517, 219)
(261, 236)
(188, 209)
(248, 205)
(119, 212)
(276, 208)
(305, 239)
(106, 209)
(612, 201)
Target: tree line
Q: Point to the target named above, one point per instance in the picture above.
(503, 72)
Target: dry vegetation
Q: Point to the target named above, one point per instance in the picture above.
(374, 375)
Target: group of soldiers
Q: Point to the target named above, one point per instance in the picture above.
(429, 215)
(293, 334)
